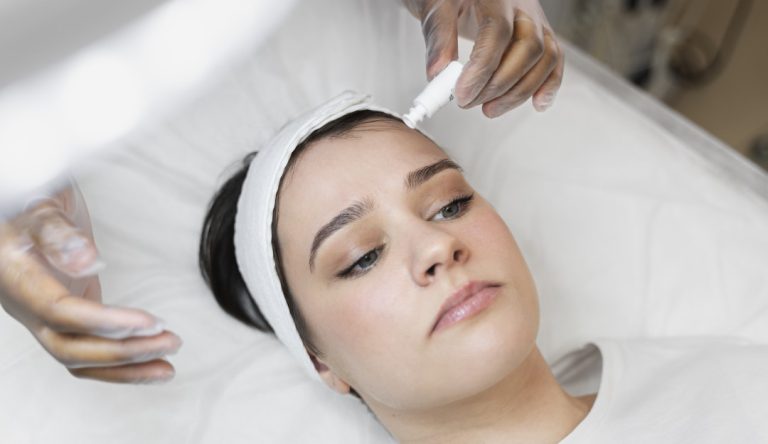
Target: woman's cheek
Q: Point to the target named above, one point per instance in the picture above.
(494, 245)
(366, 313)
(485, 226)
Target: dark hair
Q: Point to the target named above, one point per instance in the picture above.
(217, 249)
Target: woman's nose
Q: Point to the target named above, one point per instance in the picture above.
(436, 252)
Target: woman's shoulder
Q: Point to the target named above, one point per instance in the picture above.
(671, 364)
(692, 389)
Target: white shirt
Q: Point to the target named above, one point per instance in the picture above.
(672, 390)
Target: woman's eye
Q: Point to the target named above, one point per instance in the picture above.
(368, 259)
(365, 263)
(457, 207)
(450, 210)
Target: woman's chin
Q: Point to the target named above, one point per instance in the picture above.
(481, 357)
(476, 353)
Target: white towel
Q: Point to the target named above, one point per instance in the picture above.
(253, 222)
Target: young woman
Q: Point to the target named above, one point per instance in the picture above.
(408, 290)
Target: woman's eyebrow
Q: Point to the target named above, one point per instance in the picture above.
(348, 215)
(358, 209)
(421, 175)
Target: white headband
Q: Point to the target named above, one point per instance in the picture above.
(253, 221)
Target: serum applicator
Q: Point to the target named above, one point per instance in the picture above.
(437, 93)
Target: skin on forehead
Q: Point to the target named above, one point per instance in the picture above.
(373, 330)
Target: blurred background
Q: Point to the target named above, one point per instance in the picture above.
(707, 59)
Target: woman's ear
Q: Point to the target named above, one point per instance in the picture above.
(328, 376)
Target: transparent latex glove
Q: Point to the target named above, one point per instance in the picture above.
(48, 282)
(515, 55)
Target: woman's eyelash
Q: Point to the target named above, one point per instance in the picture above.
(462, 201)
(351, 273)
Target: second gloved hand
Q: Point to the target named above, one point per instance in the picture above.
(48, 282)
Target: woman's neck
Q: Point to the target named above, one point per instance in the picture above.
(527, 406)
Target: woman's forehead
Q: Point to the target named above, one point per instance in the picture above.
(375, 150)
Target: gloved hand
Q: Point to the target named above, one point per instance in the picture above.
(515, 54)
(48, 282)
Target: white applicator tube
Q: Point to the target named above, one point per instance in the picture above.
(437, 93)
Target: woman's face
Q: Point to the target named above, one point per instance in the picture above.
(371, 292)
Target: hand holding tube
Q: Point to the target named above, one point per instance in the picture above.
(48, 282)
(515, 55)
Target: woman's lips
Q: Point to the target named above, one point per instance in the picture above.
(471, 299)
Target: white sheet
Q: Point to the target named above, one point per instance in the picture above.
(633, 222)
